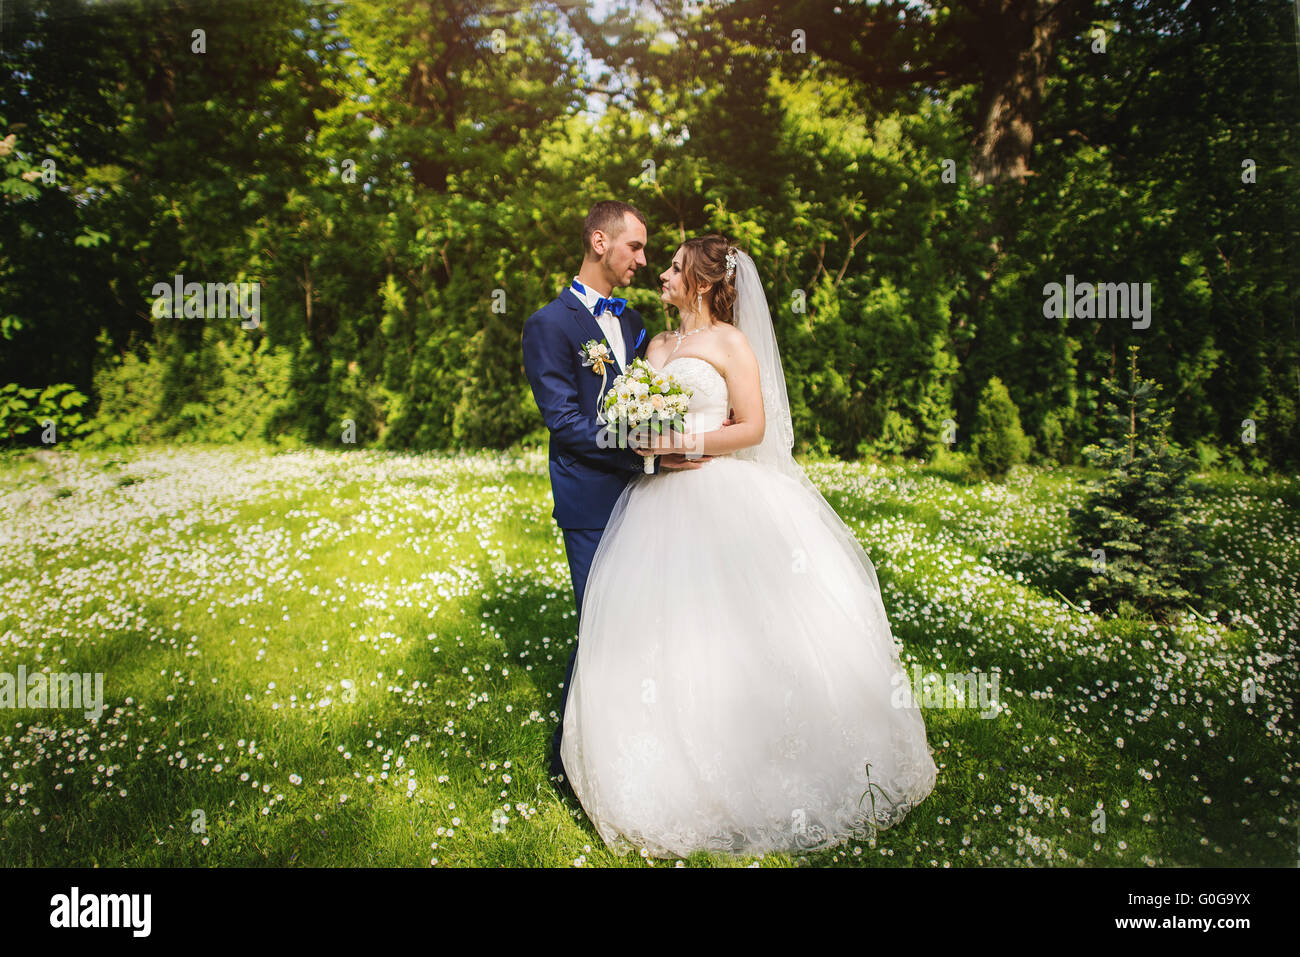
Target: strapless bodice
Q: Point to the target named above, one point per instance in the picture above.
(709, 403)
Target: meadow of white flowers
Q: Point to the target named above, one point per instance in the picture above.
(322, 657)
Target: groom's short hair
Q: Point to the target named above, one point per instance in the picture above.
(607, 216)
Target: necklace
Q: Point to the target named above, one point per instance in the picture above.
(682, 335)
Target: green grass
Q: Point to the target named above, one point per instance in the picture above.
(326, 658)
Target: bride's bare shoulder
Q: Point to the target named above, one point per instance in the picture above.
(730, 334)
(659, 339)
(735, 345)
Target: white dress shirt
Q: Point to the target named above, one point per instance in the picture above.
(608, 322)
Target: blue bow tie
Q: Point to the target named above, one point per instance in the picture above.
(613, 304)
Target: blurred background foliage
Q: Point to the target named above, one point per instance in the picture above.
(407, 181)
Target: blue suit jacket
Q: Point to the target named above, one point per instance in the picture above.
(586, 479)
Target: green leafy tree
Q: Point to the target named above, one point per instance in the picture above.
(407, 189)
(52, 417)
(997, 440)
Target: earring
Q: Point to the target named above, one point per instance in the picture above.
(699, 303)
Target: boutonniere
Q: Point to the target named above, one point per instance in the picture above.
(597, 355)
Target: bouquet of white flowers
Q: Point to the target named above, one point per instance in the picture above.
(643, 401)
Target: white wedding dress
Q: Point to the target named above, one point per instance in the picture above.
(736, 672)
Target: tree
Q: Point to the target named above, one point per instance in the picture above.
(1135, 524)
(997, 439)
(1006, 48)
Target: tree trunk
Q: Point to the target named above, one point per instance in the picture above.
(1013, 42)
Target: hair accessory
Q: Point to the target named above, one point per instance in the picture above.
(731, 263)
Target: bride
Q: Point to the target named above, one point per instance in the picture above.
(736, 678)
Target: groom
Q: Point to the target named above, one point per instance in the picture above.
(587, 475)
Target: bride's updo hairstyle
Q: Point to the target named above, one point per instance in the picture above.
(704, 260)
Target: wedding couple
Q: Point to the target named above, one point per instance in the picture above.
(733, 682)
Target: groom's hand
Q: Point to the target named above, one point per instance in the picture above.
(678, 460)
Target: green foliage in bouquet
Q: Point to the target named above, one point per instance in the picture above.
(626, 412)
